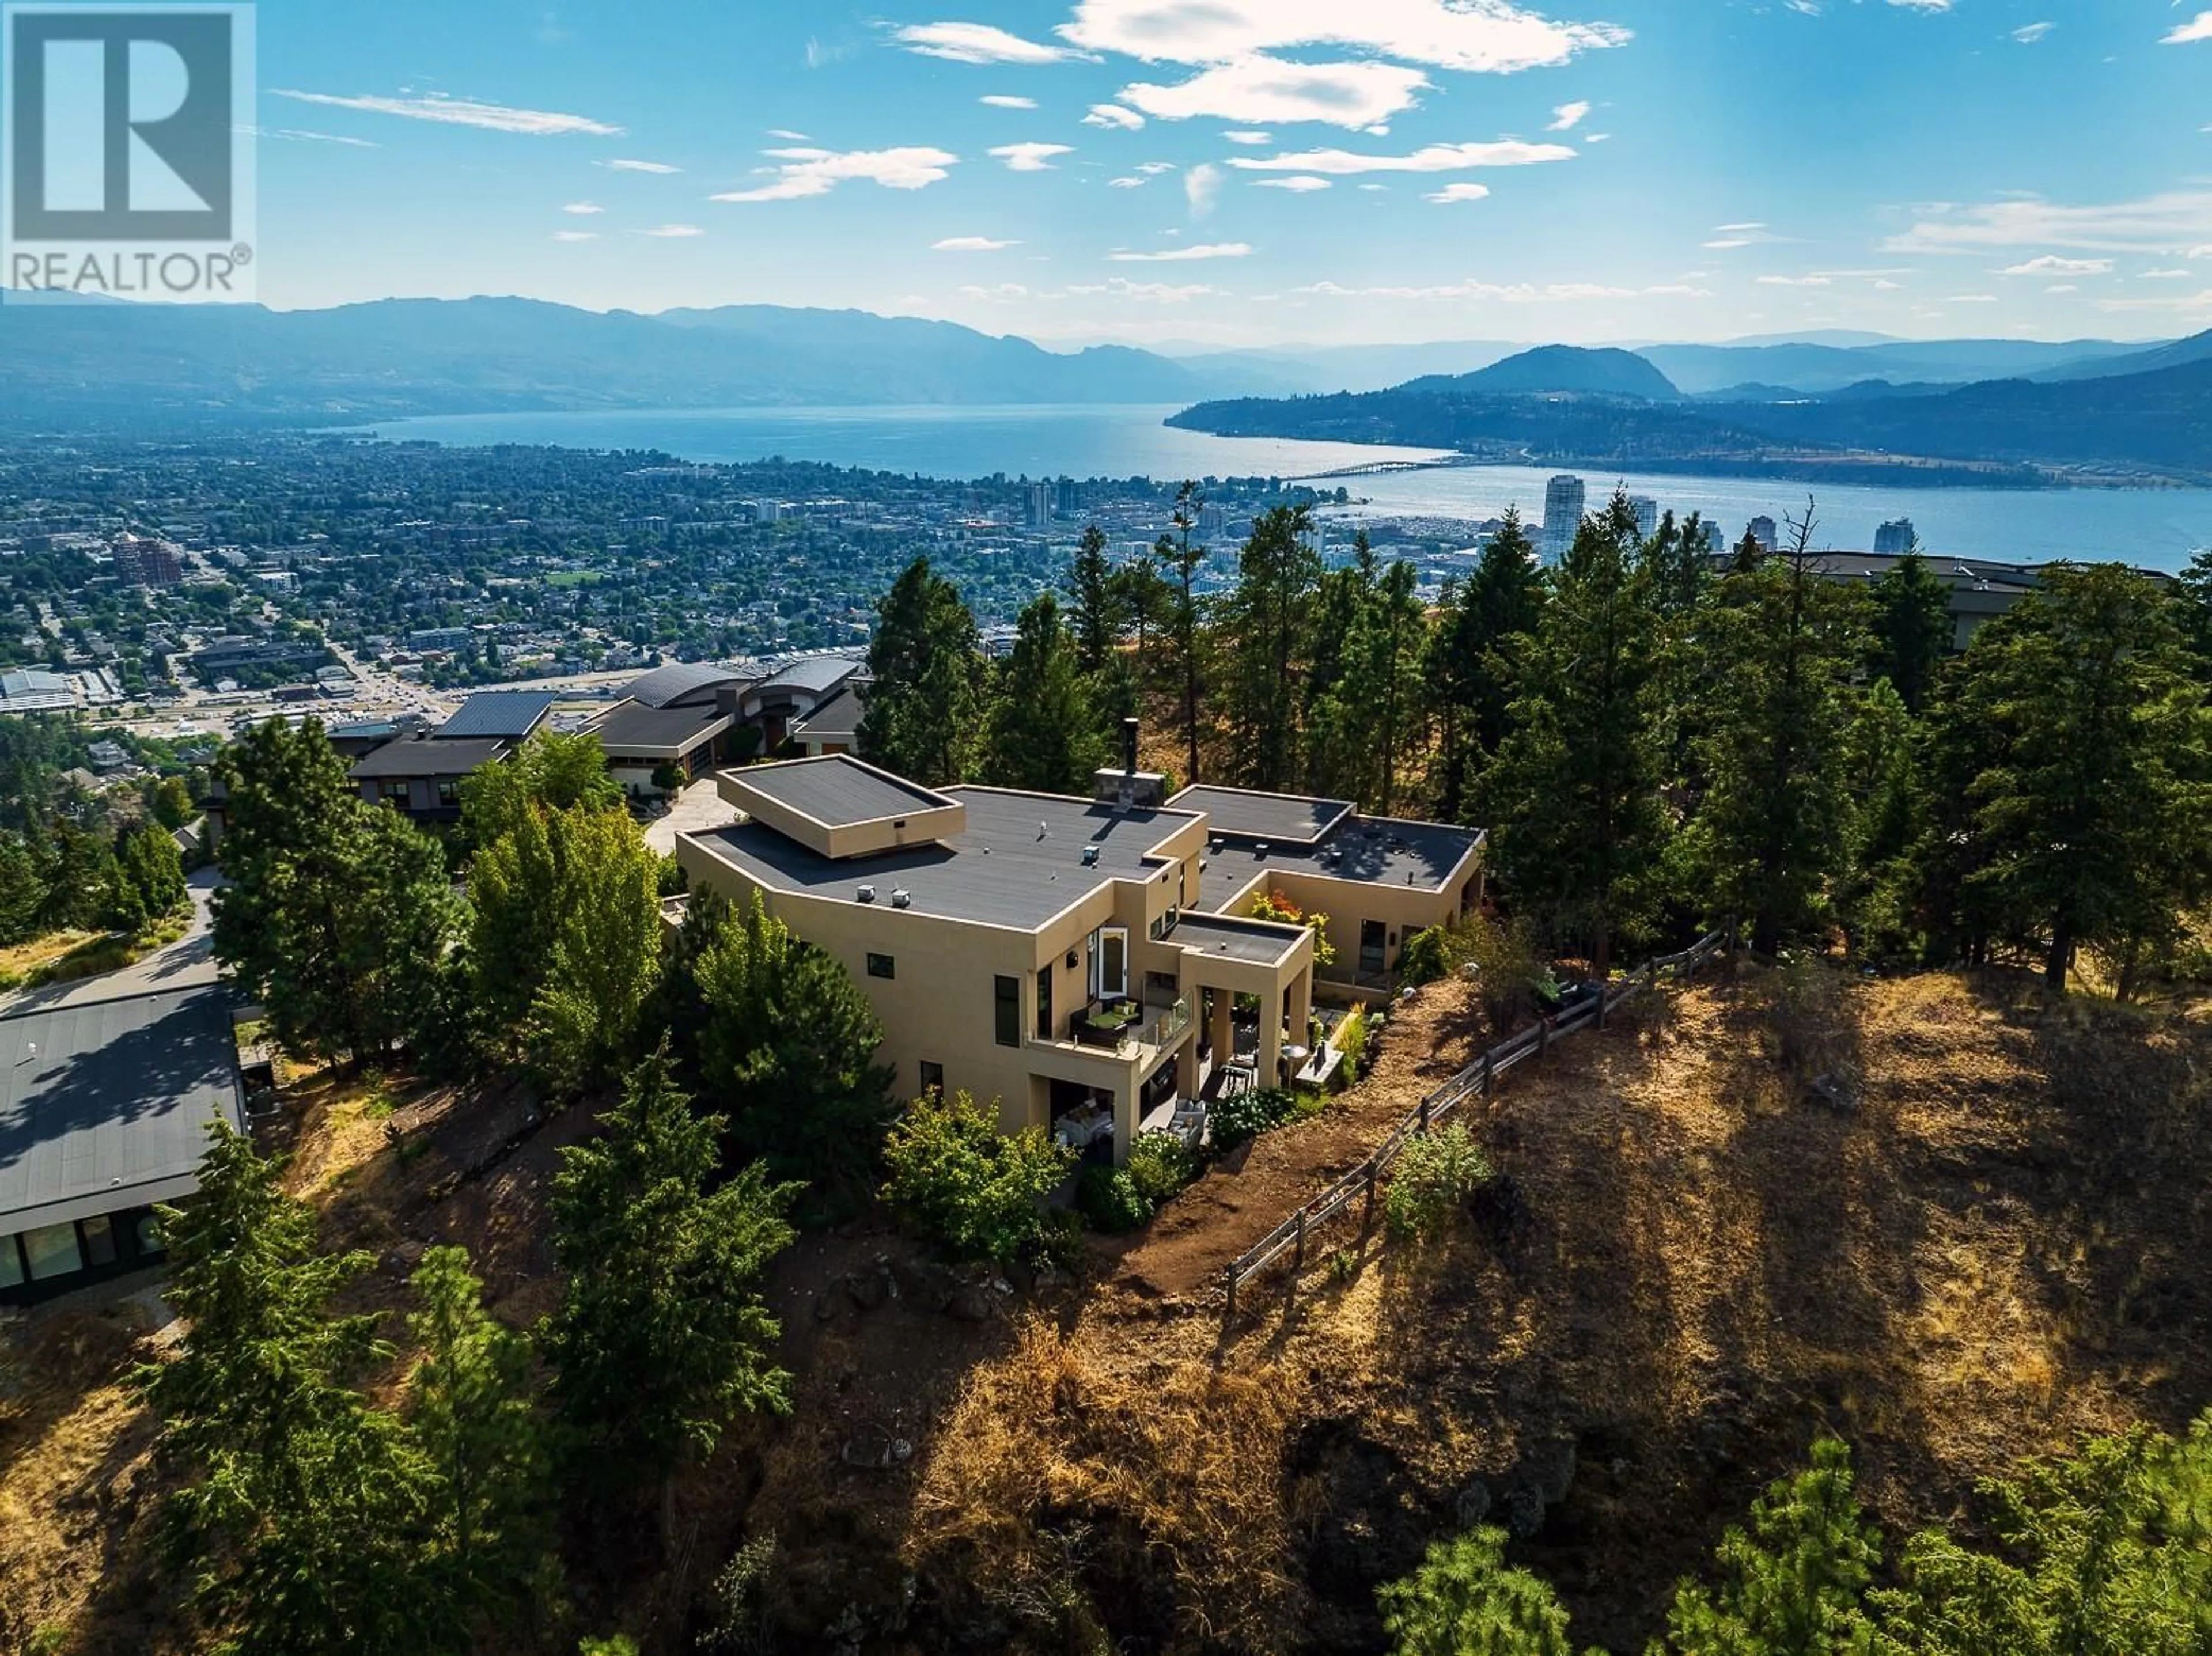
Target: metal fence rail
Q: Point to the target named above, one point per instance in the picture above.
(1479, 1077)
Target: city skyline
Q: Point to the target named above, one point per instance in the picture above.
(1249, 173)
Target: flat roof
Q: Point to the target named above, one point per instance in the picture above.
(426, 756)
(1372, 850)
(1277, 818)
(632, 724)
(838, 793)
(512, 714)
(1256, 941)
(104, 1105)
(1018, 862)
(838, 718)
(814, 673)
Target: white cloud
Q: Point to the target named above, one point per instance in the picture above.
(463, 112)
(2172, 220)
(1114, 115)
(2062, 287)
(1884, 285)
(1923, 5)
(1259, 90)
(788, 136)
(2192, 302)
(2166, 276)
(1004, 290)
(575, 235)
(2051, 264)
(2199, 28)
(581, 208)
(675, 231)
(1971, 299)
(1031, 157)
(1814, 281)
(970, 244)
(2028, 33)
(1300, 183)
(1436, 158)
(1154, 169)
(1456, 192)
(1200, 186)
(1184, 255)
(1597, 137)
(1147, 293)
(805, 172)
(978, 43)
(1007, 101)
(296, 135)
(1125, 184)
(618, 165)
(1567, 117)
(1246, 136)
(1475, 36)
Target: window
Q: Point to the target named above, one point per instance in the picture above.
(882, 966)
(1113, 963)
(449, 791)
(1044, 1003)
(11, 1262)
(99, 1240)
(1372, 933)
(53, 1252)
(395, 793)
(1007, 994)
(932, 1079)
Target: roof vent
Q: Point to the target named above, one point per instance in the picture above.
(1260, 851)
(902, 898)
(1213, 844)
(868, 894)
(1090, 856)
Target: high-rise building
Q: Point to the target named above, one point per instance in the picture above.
(1563, 514)
(1647, 515)
(1761, 529)
(1895, 538)
(1212, 522)
(1068, 497)
(1040, 505)
(145, 562)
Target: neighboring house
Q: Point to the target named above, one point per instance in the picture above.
(104, 1111)
(776, 703)
(834, 727)
(682, 715)
(421, 774)
(1076, 960)
(1980, 589)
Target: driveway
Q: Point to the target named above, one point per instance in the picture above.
(696, 810)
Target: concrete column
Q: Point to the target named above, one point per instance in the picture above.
(1302, 1008)
(1271, 1039)
(1124, 1118)
(1221, 1032)
(1186, 1059)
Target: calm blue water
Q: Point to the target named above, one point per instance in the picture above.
(2155, 528)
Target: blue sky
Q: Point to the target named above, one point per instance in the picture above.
(1256, 171)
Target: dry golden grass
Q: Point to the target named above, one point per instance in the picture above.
(20, 961)
(1063, 1479)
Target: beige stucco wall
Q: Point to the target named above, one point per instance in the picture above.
(1402, 910)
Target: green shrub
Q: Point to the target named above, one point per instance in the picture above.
(1351, 1042)
(1239, 1119)
(1161, 1164)
(738, 1622)
(975, 1189)
(1110, 1201)
(1436, 1175)
(1425, 957)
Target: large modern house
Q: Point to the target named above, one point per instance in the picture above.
(104, 1110)
(1089, 964)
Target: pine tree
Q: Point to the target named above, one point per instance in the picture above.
(305, 1512)
(1264, 624)
(661, 1335)
(1468, 674)
(1912, 627)
(787, 1050)
(150, 879)
(923, 707)
(1098, 601)
(1181, 557)
(1774, 824)
(335, 908)
(471, 1408)
(2089, 795)
(1463, 1601)
(1575, 789)
(1044, 734)
(1792, 1582)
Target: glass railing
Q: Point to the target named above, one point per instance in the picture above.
(1170, 1025)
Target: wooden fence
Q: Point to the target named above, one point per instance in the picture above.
(1479, 1079)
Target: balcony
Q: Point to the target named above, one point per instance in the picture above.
(1126, 1029)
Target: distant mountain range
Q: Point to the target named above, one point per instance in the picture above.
(480, 355)
(2130, 413)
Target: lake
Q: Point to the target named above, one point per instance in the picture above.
(2158, 529)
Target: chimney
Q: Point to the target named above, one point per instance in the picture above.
(1129, 788)
(1125, 800)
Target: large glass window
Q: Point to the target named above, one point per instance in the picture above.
(1007, 993)
(1113, 963)
(11, 1262)
(98, 1240)
(53, 1250)
(882, 966)
(932, 1079)
(1044, 1003)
